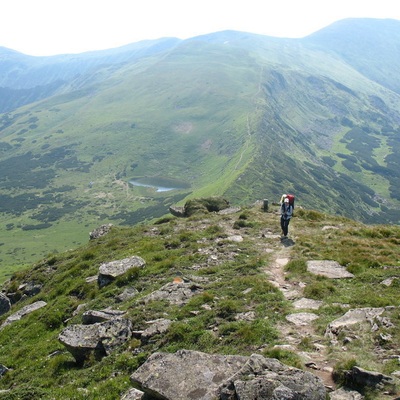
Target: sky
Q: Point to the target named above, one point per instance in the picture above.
(50, 27)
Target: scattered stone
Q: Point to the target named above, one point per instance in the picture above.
(111, 270)
(360, 378)
(127, 294)
(100, 231)
(352, 317)
(328, 268)
(177, 211)
(307, 304)
(247, 316)
(174, 292)
(327, 227)
(389, 281)
(345, 394)
(91, 279)
(3, 370)
(229, 210)
(157, 327)
(133, 394)
(235, 238)
(22, 312)
(301, 319)
(92, 316)
(30, 289)
(5, 304)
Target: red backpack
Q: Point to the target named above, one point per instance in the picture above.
(291, 199)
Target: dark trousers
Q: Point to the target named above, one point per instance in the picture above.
(285, 225)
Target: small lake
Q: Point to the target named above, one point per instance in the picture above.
(159, 184)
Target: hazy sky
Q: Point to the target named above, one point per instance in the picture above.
(47, 27)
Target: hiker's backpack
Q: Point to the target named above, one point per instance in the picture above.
(290, 197)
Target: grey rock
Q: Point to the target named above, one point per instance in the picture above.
(360, 378)
(5, 304)
(200, 376)
(301, 319)
(345, 394)
(3, 370)
(267, 378)
(133, 394)
(307, 303)
(22, 312)
(92, 316)
(111, 270)
(100, 231)
(185, 374)
(127, 294)
(157, 327)
(99, 339)
(352, 317)
(328, 268)
(177, 292)
(177, 211)
(30, 289)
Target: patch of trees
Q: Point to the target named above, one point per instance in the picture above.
(35, 227)
(351, 166)
(51, 214)
(16, 205)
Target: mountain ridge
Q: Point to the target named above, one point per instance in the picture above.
(229, 113)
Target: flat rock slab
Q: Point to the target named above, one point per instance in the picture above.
(23, 311)
(330, 269)
(301, 319)
(307, 303)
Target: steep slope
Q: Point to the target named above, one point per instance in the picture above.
(245, 283)
(371, 46)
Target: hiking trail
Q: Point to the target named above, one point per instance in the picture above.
(298, 333)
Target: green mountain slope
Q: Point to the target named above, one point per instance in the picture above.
(235, 265)
(228, 113)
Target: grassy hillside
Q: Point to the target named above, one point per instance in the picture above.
(229, 113)
(236, 278)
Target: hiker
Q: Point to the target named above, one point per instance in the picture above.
(286, 214)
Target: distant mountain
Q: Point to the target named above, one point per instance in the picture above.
(371, 46)
(27, 79)
(82, 137)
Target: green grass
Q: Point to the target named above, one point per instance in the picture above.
(232, 286)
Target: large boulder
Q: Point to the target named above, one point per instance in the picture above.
(200, 376)
(98, 339)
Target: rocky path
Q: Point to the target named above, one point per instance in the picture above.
(298, 333)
